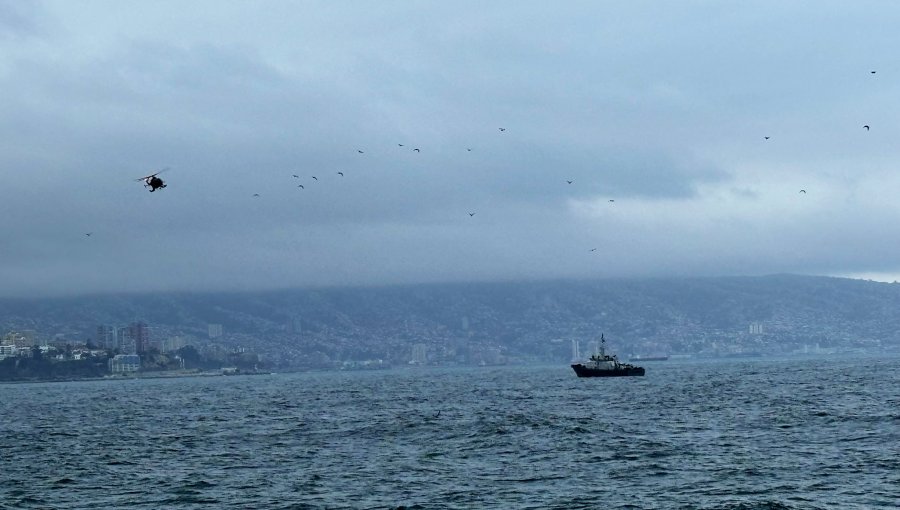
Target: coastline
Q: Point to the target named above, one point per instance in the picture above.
(145, 375)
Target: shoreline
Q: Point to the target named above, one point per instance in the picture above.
(147, 375)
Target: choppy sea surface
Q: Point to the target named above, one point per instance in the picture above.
(761, 434)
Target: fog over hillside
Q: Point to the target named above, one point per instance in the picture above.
(506, 322)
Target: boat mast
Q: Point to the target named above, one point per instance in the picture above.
(602, 347)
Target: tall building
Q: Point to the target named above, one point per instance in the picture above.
(136, 338)
(215, 330)
(120, 340)
(107, 337)
(419, 354)
(173, 343)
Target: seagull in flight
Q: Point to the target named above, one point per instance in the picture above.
(611, 200)
(471, 214)
(867, 127)
(803, 191)
(399, 145)
(256, 195)
(872, 72)
(314, 177)
(468, 150)
(88, 234)
(502, 129)
(417, 150)
(570, 182)
(341, 174)
(359, 151)
(593, 249)
(767, 138)
(300, 186)
(295, 176)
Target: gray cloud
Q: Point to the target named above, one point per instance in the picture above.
(665, 114)
(19, 20)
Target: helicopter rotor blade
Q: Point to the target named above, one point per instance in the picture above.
(152, 175)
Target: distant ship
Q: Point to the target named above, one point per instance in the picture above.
(648, 358)
(751, 354)
(604, 365)
(238, 371)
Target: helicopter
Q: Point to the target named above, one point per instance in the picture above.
(152, 181)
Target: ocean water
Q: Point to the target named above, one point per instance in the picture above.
(761, 434)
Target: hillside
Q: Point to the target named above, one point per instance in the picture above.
(498, 322)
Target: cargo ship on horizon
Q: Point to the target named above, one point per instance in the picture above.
(648, 358)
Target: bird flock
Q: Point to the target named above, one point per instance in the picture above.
(361, 151)
(867, 127)
(471, 214)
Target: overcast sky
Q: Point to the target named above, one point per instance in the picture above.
(656, 111)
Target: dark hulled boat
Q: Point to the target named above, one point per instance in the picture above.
(604, 365)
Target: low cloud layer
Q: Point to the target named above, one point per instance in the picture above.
(657, 114)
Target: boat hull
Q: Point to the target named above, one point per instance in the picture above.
(583, 371)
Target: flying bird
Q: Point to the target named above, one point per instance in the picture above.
(471, 214)
(767, 138)
(867, 127)
(593, 249)
(256, 194)
(296, 176)
(88, 234)
(341, 174)
(359, 151)
(399, 145)
(314, 177)
(570, 182)
(873, 72)
(803, 191)
(417, 150)
(611, 200)
(502, 129)
(469, 150)
(300, 186)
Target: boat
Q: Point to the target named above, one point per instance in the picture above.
(648, 358)
(238, 371)
(604, 365)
